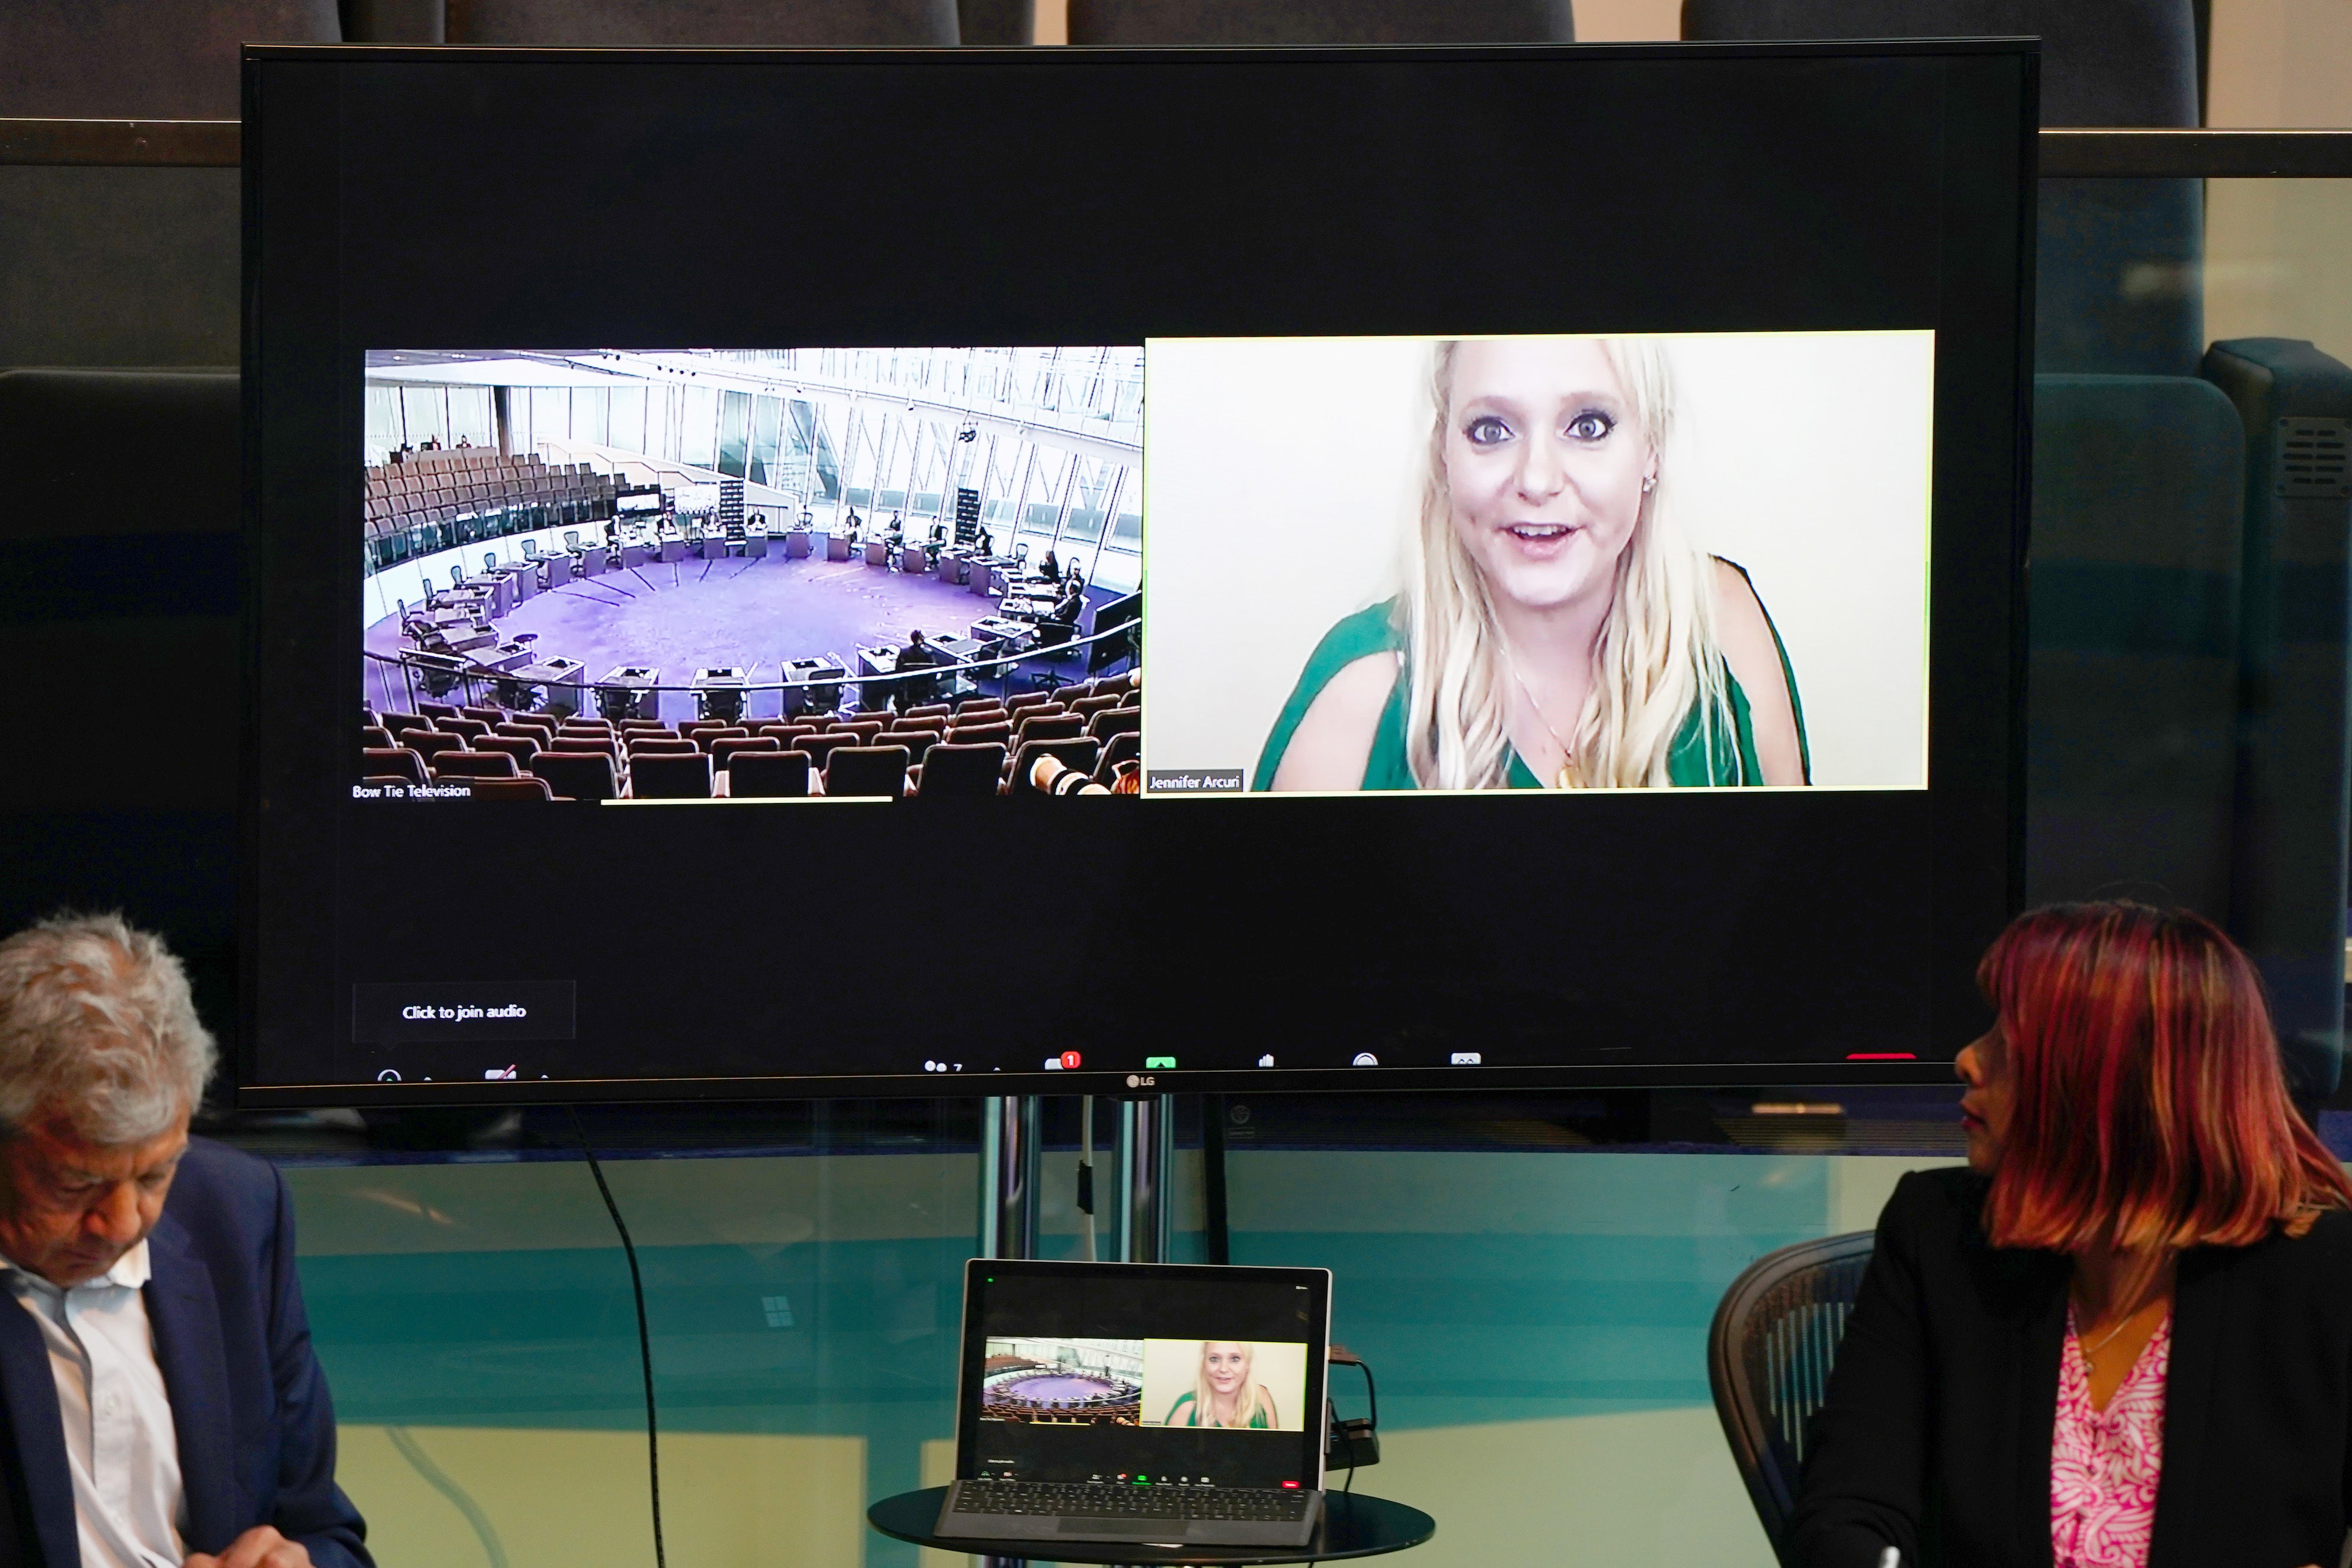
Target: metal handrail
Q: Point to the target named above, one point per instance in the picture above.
(2092, 152)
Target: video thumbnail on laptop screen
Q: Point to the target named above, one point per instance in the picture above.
(1244, 1384)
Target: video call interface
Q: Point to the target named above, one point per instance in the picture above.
(1407, 566)
(1179, 1408)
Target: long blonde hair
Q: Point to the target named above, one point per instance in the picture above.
(1252, 1398)
(1657, 655)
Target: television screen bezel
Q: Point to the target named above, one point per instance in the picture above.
(250, 1092)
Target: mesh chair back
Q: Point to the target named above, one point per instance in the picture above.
(577, 775)
(768, 775)
(1769, 1355)
(954, 769)
(665, 776)
(719, 23)
(866, 770)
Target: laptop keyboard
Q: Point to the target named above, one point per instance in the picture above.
(1103, 1499)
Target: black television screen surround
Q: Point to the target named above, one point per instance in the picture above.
(1563, 503)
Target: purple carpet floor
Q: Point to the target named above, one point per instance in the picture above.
(695, 614)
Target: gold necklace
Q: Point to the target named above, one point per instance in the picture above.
(1569, 776)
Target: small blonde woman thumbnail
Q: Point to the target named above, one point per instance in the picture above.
(1226, 1394)
(1556, 628)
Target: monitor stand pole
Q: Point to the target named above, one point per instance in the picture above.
(1009, 1176)
(1009, 1168)
(1146, 1179)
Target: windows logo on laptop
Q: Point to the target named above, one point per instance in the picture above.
(1161, 1403)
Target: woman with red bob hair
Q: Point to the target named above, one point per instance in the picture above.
(2122, 1337)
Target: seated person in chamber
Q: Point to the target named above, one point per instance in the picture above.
(1049, 569)
(2119, 1337)
(164, 1405)
(987, 545)
(1226, 1394)
(918, 654)
(1063, 618)
(1556, 629)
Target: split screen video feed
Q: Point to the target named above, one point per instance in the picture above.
(1376, 564)
(776, 575)
(1233, 1385)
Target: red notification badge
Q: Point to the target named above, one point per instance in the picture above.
(1069, 1061)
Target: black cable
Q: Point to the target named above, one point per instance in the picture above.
(645, 1335)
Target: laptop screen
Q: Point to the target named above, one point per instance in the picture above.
(1147, 1373)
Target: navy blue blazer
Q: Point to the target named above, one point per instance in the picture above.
(256, 1432)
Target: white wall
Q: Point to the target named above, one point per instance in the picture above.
(1279, 477)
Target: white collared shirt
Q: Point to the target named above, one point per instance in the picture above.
(120, 1444)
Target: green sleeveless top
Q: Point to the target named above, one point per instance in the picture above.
(1192, 1417)
(1376, 630)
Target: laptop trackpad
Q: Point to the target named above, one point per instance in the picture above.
(1125, 1529)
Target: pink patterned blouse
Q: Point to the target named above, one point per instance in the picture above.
(2105, 1464)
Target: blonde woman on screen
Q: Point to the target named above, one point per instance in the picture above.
(1226, 1394)
(1555, 629)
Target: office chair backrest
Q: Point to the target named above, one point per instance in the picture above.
(2118, 288)
(1769, 1355)
(721, 24)
(1253, 22)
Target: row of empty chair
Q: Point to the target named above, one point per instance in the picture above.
(436, 499)
(981, 745)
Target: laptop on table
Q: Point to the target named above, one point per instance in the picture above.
(1168, 1405)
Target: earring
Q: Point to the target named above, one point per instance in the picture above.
(1649, 484)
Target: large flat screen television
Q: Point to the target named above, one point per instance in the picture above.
(1347, 568)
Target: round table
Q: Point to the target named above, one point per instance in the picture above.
(1354, 1525)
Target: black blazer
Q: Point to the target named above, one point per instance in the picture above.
(1935, 1434)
